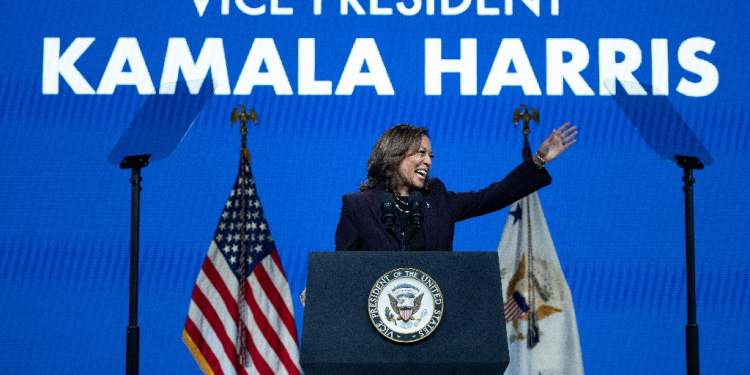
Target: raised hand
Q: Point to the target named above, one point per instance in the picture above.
(557, 142)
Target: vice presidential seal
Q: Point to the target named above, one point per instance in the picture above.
(405, 305)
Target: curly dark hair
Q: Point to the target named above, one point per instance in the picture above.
(391, 148)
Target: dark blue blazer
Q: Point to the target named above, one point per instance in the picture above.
(360, 227)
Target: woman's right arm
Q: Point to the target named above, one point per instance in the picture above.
(347, 236)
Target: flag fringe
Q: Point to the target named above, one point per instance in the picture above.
(202, 364)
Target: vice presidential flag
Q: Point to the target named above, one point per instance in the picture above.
(540, 319)
(241, 319)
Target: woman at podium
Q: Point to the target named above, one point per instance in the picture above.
(401, 208)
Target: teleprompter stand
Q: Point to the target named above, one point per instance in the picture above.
(688, 163)
(155, 132)
(134, 163)
(667, 134)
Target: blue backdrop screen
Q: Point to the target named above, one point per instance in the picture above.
(327, 77)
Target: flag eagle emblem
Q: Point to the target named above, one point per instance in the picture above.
(405, 299)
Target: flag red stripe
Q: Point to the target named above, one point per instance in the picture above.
(203, 347)
(275, 297)
(265, 281)
(264, 326)
(216, 280)
(258, 361)
(280, 270)
(277, 260)
(214, 276)
(512, 311)
(215, 322)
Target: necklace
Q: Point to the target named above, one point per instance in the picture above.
(398, 207)
(401, 202)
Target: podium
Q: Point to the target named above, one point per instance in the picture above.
(339, 336)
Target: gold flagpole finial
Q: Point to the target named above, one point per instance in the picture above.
(526, 117)
(243, 117)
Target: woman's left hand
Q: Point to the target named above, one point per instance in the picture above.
(557, 142)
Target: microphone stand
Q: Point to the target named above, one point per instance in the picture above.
(415, 217)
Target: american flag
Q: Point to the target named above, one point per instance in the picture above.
(515, 307)
(241, 319)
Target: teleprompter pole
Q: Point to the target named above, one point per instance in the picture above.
(135, 163)
(688, 163)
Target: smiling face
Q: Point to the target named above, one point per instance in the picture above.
(414, 169)
(400, 161)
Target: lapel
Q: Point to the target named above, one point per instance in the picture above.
(373, 202)
(430, 219)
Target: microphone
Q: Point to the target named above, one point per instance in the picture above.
(415, 209)
(388, 210)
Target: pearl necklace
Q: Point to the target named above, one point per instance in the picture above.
(399, 202)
